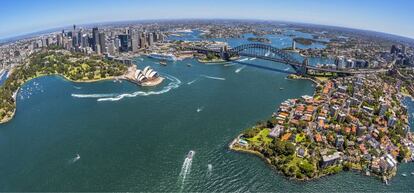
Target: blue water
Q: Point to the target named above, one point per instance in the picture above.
(136, 139)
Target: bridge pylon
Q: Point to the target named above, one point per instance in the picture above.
(303, 70)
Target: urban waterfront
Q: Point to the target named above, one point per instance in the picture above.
(140, 142)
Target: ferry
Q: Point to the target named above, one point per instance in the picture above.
(163, 62)
(190, 154)
(167, 57)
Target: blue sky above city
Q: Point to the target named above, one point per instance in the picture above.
(25, 16)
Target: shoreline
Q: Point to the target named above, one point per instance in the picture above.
(7, 119)
(125, 77)
(385, 179)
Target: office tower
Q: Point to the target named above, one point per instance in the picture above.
(156, 37)
(134, 42)
(142, 41)
(150, 39)
(293, 45)
(59, 39)
(404, 49)
(340, 62)
(95, 38)
(85, 40)
(75, 41)
(102, 42)
(111, 47)
(48, 41)
(124, 43)
(98, 49)
(80, 40)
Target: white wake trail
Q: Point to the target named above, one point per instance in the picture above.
(92, 95)
(239, 69)
(175, 83)
(213, 77)
(193, 81)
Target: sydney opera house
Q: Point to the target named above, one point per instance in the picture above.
(147, 77)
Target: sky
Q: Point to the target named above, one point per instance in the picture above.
(18, 17)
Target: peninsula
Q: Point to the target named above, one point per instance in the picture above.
(72, 66)
(350, 123)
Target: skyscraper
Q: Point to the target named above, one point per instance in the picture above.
(124, 42)
(150, 39)
(134, 42)
(95, 38)
(80, 34)
(142, 41)
(404, 49)
(102, 42)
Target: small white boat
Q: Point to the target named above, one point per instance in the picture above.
(412, 173)
(199, 109)
(190, 154)
(404, 174)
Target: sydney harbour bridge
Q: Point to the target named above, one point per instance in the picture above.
(279, 56)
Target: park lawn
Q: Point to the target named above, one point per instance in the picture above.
(261, 137)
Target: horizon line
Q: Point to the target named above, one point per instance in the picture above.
(31, 34)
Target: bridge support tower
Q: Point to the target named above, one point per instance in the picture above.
(303, 70)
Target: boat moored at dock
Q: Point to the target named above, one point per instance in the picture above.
(165, 57)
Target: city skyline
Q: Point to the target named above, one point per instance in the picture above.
(389, 17)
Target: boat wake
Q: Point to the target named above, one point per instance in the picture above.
(239, 69)
(213, 77)
(75, 159)
(286, 69)
(77, 87)
(186, 167)
(252, 59)
(209, 170)
(228, 65)
(193, 81)
(242, 60)
(92, 95)
(175, 83)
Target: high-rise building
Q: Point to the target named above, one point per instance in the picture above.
(102, 42)
(142, 41)
(134, 42)
(403, 49)
(150, 39)
(124, 43)
(80, 40)
(293, 45)
(59, 39)
(85, 40)
(340, 62)
(95, 38)
(111, 47)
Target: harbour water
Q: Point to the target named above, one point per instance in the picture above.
(115, 136)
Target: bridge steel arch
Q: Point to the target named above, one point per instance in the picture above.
(260, 50)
